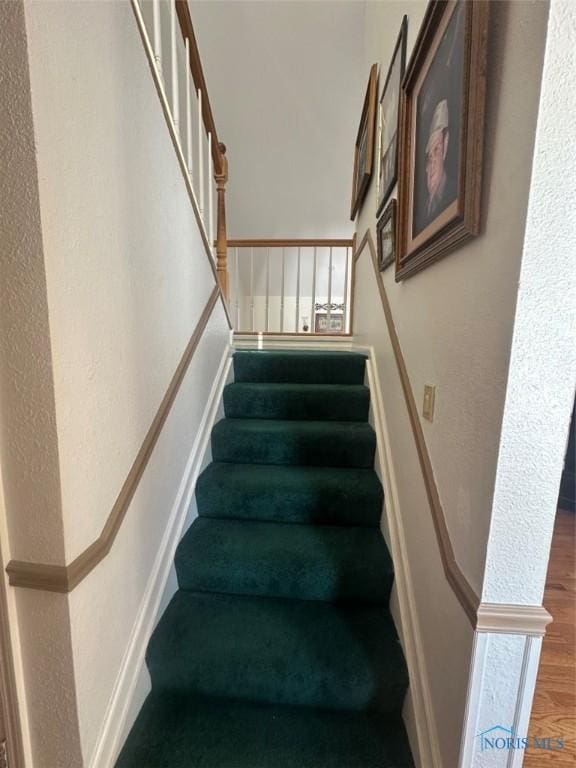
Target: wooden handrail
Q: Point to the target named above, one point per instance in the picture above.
(289, 242)
(187, 28)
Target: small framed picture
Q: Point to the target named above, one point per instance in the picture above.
(336, 324)
(364, 149)
(386, 236)
(442, 134)
(389, 120)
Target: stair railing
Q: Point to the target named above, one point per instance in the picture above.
(168, 33)
(291, 286)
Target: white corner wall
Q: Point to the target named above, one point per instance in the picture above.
(122, 277)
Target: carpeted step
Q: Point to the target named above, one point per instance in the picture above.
(290, 494)
(175, 732)
(318, 443)
(303, 562)
(308, 367)
(334, 656)
(334, 402)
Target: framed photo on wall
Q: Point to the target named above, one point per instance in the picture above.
(386, 236)
(389, 120)
(364, 148)
(442, 134)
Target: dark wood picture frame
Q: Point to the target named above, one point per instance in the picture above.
(388, 216)
(460, 220)
(364, 148)
(384, 190)
(336, 319)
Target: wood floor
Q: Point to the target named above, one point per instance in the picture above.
(554, 710)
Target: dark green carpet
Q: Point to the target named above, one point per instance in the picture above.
(278, 650)
(304, 562)
(183, 732)
(289, 494)
(297, 401)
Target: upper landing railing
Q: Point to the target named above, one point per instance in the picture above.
(168, 35)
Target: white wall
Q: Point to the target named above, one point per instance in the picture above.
(119, 277)
(286, 82)
(454, 321)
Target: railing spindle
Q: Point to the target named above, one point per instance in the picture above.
(329, 313)
(312, 308)
(210, 198)
(174, 63)
(345, 299)
(282, 292)
(200, 156)
(237, 270)
(157, 36)
(267, 285)
(189, 149)
(297, 290)
(252, 288)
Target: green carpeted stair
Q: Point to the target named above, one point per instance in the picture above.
(278, 650)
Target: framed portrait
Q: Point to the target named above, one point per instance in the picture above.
(364, 148)
(389, 120)
(336, 324)
(386, 236)
(442, 134)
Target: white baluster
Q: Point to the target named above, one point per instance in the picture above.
(174, 62)
(157, 36)
(282, 292)
(200, 155)
(237, 292)
(252, 288)
(267, 285)
(297, 290)
(346, 302)
(188, 112)
(312, 308)
(328, 329)
(210, 191)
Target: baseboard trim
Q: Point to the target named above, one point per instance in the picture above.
(108, 744)
(427, 747)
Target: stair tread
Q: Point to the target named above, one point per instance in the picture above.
(335, 656)
(303, 562)
(288, 493)
(280, 441)
(309, 366)
(260, 400)
(180, 732)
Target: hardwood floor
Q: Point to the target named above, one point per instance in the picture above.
(554, 709)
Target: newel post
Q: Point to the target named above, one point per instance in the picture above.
(221, 178)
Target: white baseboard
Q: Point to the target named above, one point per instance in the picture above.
(426, 750)
(108, 744)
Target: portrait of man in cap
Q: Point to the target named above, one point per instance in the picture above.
(438, 130)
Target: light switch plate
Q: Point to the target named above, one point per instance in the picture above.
(428, 404)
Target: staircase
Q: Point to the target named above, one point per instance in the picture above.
(278, 650)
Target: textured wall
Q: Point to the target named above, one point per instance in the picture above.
(542, 374)
(107, 280)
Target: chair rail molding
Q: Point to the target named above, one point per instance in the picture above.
(63, 578)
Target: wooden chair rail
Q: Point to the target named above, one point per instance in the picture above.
(461, 587)
(63, 578)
